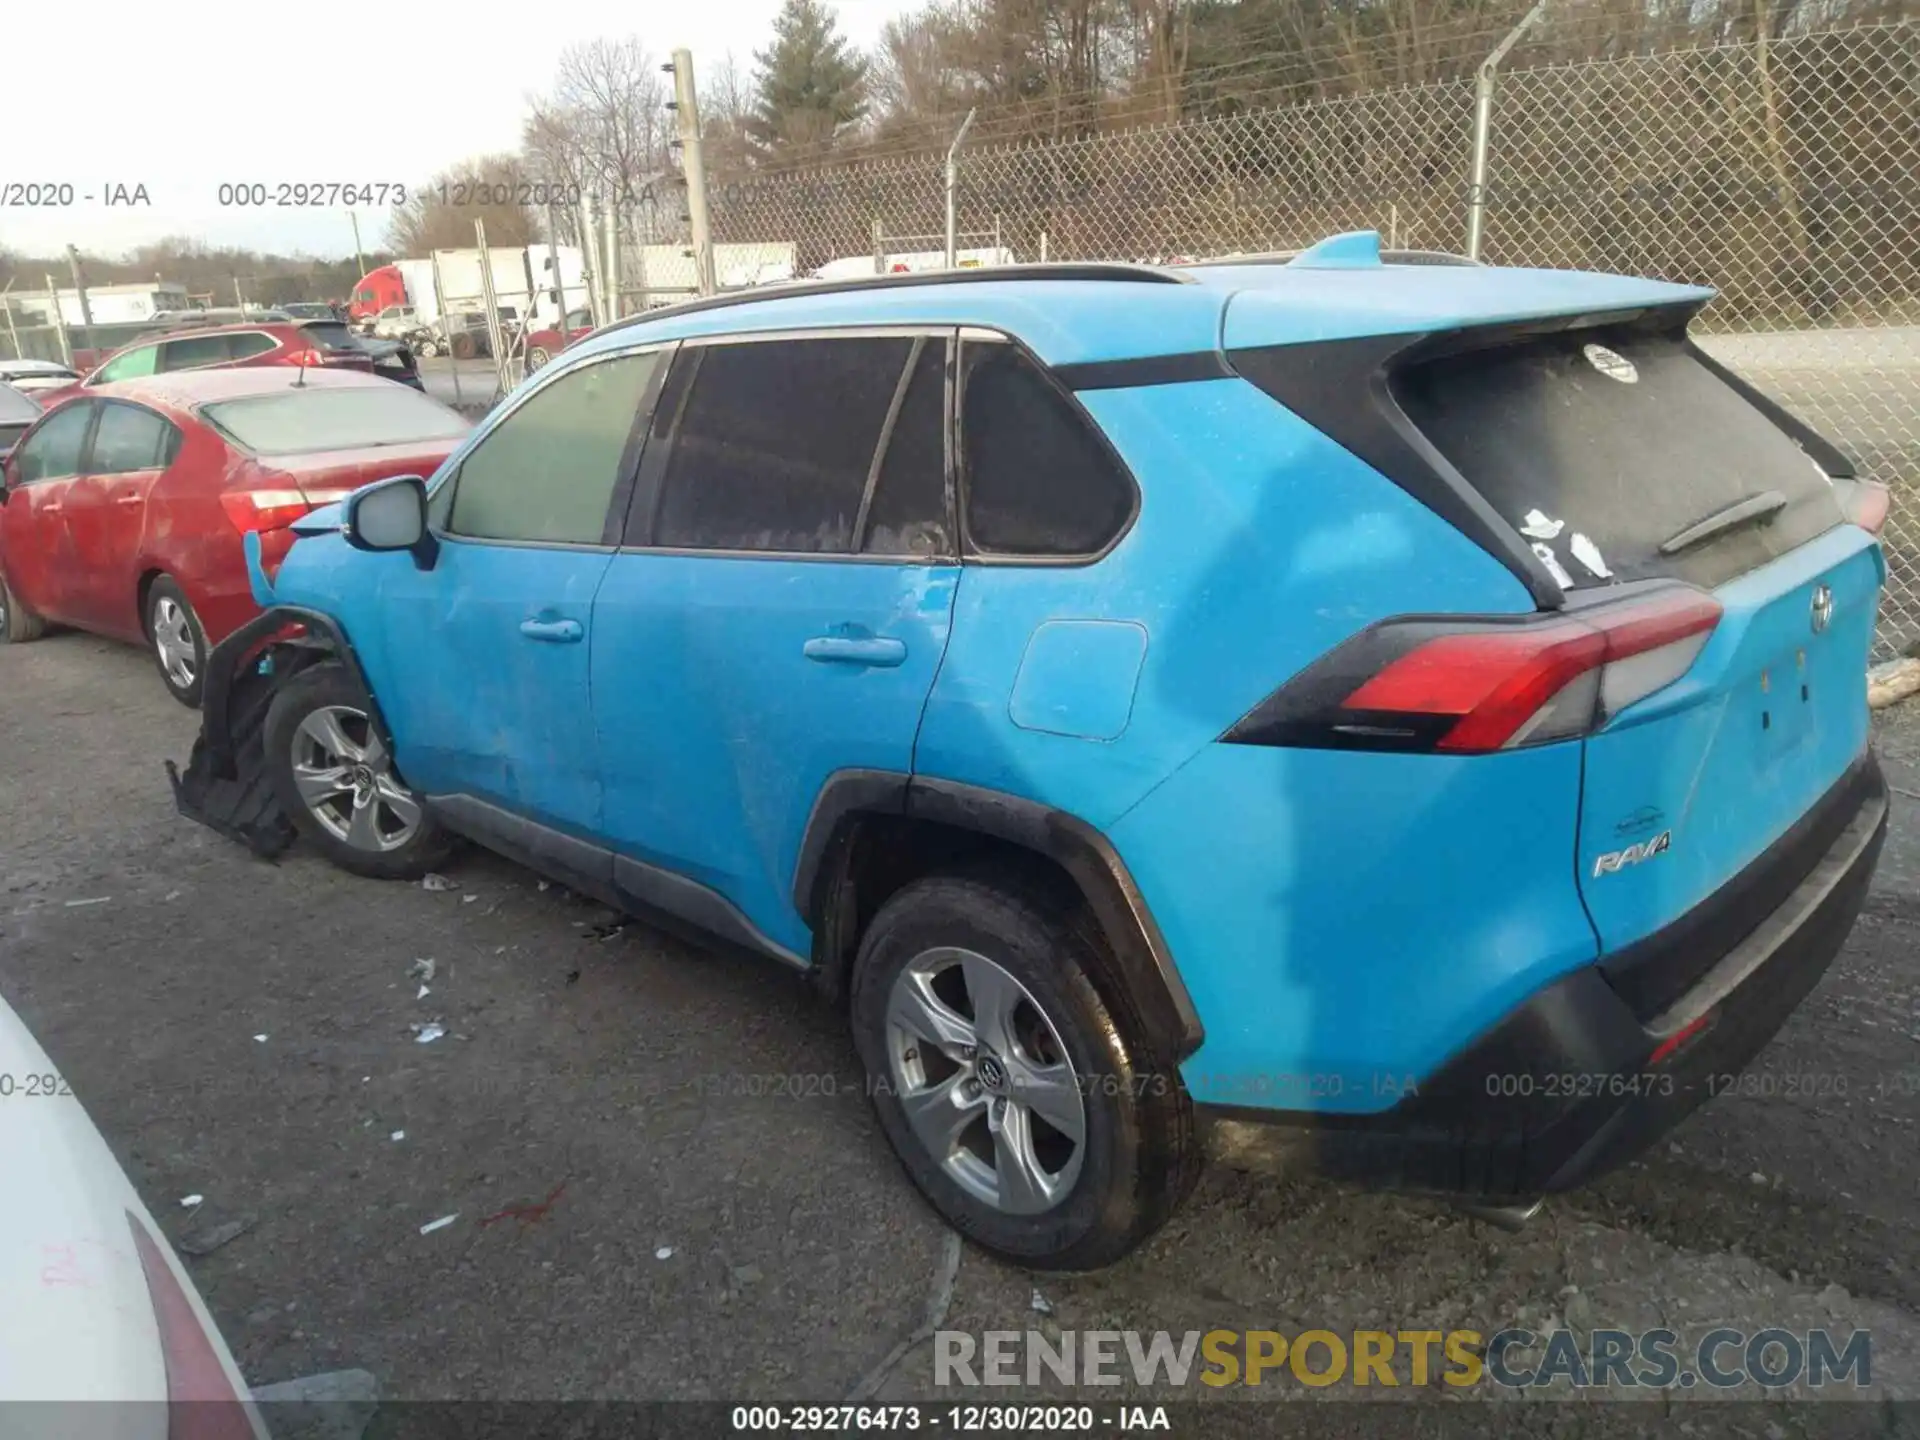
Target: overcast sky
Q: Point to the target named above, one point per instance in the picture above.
(183, 95)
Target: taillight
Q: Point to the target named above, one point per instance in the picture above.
(1472, 685)
(263, 509)
(1865, 503)
(202, 1403)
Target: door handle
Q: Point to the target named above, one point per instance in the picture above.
(50, 508)
(558, 632)
(855, 650)
(129, 499)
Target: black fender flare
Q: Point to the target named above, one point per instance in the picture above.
(320, 631)
(1146, 964)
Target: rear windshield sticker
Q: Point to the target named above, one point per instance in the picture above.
(1554, 567)
(1588, 554)
(1611, 363)
(1541, 527)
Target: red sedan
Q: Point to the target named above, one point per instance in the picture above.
(123, 510)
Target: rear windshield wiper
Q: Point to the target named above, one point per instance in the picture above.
(1751, 511)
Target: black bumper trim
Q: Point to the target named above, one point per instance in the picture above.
(1567, 1086)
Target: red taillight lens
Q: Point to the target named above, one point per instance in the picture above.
(263, 509)
(201, 1401)
(1866, 504)
(1544, 681)
(1474, 685)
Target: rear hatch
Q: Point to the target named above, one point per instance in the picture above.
(337, 344)
(1602, 455)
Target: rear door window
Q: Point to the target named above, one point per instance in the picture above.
(245, 347)
(1627, 441)
(131, 365)
(53, 451)
(548, 470)
(195, 351)
(908, 512)
(129, 438)
(776, 442)
(1039, 481)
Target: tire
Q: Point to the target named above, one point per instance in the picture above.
(320, 713)
(1138, 1156)
(537, 357)
(18, 624)
(426, 349)
(178, 644)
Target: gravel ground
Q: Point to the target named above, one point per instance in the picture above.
(645, 1210)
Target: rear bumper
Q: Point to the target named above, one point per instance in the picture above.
(1574, 1082)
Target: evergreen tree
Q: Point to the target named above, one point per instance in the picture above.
(810, 84)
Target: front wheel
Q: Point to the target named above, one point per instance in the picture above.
(1025, 1106)
(18, 624)
(179, 644)
(333, 775)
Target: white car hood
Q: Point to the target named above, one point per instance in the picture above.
(76, 1322)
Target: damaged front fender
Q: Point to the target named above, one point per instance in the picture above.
(226, 784)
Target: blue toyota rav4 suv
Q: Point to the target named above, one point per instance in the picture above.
(1419, 705)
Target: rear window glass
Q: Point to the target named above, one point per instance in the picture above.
(1604, 446)
(303, 421)
(15, 408)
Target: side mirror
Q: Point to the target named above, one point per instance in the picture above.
(391, 515)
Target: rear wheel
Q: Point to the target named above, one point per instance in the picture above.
(1024, 1106)
(18, 624)
(179, 644)
(333, 775)
(536, 357)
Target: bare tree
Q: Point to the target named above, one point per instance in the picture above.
(602, 124)
(439, 215)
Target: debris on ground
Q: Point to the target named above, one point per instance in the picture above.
(424, 992)
(1041, 1305)
(665, 1252)
(336, 1405)
(1891, 682)
(468, 899)
(259, 1039)
(440, 1224)
(207, 1239)
(572, 976)
(96, 900)
(398, 1135)
(175, 894)
(437, 882)
(188, 1202)
(421, 969)
(526, 1214)
(425, 1032)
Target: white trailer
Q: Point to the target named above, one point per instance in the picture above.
(522, 283)
(121, 304)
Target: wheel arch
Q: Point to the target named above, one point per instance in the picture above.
(871, 831)
(296, 626)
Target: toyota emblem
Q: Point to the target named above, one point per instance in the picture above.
(1822, 608)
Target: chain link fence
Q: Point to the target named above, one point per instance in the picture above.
(1784, 174)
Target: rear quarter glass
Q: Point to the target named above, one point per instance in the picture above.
(1624, 438)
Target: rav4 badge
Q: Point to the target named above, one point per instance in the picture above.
(1614, 860)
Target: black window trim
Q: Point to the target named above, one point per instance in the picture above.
(644, 515)
(92, 404)
(972, 554)
(621, 497)
(171, 448)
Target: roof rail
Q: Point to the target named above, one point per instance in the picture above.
(1387, 257)
(973, 275)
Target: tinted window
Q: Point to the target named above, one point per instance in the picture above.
(1629, 443)
(54, 449)
(773, 449)
(195, 351)
(127, 366)
(908, 512)
(128, 438)
(244, 347)
(1039, 481)
(302, 421)
(548, 470)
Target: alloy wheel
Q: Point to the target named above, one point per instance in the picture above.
(173, 641)
(984, 1082)
(345, 778)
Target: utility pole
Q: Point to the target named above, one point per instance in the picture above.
(610, 223)
(60, 321)
(589, 266)
(686, 107)
(953, 187)
(1483, 86)
(359, 256)
(80, 286)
